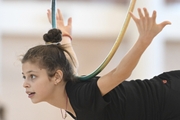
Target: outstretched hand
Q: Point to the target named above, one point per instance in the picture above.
(65, 29)
(147, 26)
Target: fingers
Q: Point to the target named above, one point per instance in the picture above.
(146, 19)
(140, 13)
(59, 14)
(49, 15)
(133, 16)
(69, 22)
(65, 29)
(154, 15)
(146, 24)
(146, 13)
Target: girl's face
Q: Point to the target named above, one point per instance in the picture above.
(37, 83)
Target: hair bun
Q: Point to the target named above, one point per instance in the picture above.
(53, 36)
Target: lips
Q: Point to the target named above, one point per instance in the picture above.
(30, 94)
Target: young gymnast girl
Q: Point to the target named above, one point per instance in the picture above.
(50, 75)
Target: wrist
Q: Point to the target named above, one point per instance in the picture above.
(65, 40)
(145, 40)
(67, 35)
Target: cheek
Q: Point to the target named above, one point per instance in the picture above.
(44, 90)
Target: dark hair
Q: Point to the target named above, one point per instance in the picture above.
(51, 57)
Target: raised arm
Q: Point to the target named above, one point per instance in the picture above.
(66, 36)
(148, 29)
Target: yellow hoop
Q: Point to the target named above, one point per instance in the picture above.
(115, 46)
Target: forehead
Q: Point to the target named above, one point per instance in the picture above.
(28, 66)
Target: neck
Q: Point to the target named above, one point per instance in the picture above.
(60, 99)
(58, 96)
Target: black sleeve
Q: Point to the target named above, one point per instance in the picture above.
(86, 95)
(173, 77)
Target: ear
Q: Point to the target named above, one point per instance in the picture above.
(58, 77)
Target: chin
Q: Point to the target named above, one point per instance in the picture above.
(35, 101)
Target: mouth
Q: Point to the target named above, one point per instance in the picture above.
(30, 94)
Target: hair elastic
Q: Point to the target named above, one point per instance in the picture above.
(50, 43)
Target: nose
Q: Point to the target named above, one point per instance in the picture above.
(26, 84)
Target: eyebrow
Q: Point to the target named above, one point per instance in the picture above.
(29, 72)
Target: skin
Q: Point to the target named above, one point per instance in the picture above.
(148, 29)
(52, 90)
(36, 79)
(66, 30)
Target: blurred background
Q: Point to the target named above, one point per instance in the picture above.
(96, 25)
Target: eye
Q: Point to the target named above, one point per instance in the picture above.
(24, 77)
(32, 77)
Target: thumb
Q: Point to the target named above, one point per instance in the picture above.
(163, 24)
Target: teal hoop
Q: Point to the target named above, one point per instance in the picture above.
(53, 14)
(115, 46)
